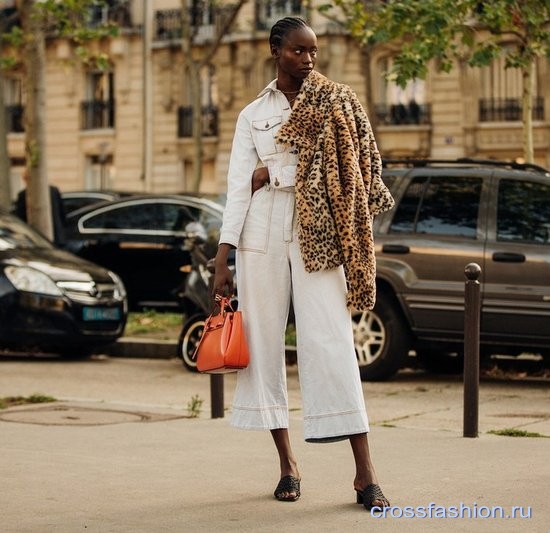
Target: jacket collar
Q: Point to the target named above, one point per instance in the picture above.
(271, 87)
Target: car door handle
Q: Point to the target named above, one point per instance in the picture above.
(395, 249)
(508, 257)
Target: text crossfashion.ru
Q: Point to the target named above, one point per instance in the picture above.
(473, 511)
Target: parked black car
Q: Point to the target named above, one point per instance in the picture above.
(74, 200)
(449, 214)
(53, 300)
(142, 239)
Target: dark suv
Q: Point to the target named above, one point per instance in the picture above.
(449, 214)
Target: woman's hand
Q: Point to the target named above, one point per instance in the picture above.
(259, 178)
(223, 277)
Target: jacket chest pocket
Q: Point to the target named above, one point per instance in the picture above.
(263, 133)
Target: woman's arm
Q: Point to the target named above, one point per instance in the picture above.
(223, 277)
(240, 178)
(244, 160)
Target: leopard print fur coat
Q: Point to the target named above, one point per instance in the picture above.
(338, 184)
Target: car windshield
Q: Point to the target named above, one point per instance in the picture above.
(16, 234)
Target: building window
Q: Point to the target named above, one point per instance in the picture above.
(398, 106)
(270, 11)
(98, 110)
(501, 90)
(167, 25)
(115, 11)
(203, 15)
(13, 98)
(209, 103)
(99, 171)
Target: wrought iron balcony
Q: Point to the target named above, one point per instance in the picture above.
(205, 16)
(270, 11)
(14, 119)
(403, 114)
(507, 109)
(115, 11)
(97, 114)
(167, 25)
(209, 121)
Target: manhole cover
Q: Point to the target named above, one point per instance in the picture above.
(67, 415)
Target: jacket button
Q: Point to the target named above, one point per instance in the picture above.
(276, 182)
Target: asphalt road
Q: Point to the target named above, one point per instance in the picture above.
(411, 398)
(119, 453)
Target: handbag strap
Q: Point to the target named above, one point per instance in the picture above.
(224, 302)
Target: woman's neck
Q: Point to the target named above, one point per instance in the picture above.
(290, 87)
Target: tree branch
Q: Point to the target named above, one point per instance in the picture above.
(220, 34)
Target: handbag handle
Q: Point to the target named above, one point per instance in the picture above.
(224, 302)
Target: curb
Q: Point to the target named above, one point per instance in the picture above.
(143, 348)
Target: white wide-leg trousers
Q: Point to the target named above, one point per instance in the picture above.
(269, 271)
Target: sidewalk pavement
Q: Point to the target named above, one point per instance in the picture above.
(102, 460)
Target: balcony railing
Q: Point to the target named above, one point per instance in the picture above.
(270, 11)
(98, 114)
(507, 109)
(115, 11)
(167, 25)
(403, 114)
(205, 17)
(209, 121)
(14, 119)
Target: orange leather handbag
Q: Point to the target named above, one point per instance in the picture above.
(223, 347)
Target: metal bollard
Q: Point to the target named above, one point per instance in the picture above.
(216, 395)
(471, 350)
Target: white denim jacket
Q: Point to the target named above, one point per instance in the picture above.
(254, 144)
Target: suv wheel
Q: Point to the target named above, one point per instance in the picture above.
(381, 340)
(189, 338)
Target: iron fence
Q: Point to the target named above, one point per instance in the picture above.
(402, 114)
(507, 109)
(97, 114)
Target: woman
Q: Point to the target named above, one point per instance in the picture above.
(303, 185)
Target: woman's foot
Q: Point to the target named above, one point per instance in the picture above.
(288, 489)
(366, 481)
(372, 496)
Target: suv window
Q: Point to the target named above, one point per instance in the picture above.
(439, 206)
(523, 211)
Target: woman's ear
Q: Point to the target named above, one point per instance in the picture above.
(275, 52)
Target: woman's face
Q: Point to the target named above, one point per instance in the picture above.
(297, 55)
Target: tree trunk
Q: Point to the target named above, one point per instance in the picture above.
(38, 197)
(5, 185)
(192, 70)
(366, 57)
(195, 86)
(527, 112)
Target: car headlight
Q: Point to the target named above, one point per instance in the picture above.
(31, 280)
(118, 284)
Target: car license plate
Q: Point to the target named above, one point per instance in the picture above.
(101, 313)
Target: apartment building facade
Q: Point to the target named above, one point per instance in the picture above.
(129, 127)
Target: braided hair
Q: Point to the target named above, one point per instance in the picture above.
(284, 26)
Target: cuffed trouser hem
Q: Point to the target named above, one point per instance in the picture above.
(259, 418)
(335, 426)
